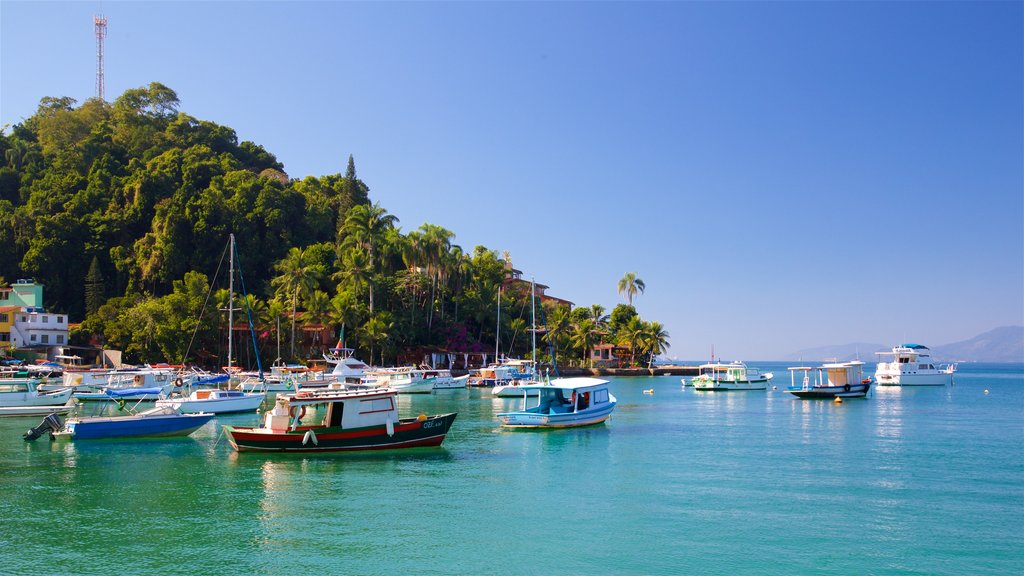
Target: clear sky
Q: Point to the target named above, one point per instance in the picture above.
(782, 175)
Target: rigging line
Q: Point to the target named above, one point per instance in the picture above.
(512, 344)
(248, 313)
(199, 321)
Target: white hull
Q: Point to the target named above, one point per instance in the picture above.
(918, 379)
(34, 399)
(247, 403)
(34, 410)
(451, 383)
(424, 386)
(725, 385)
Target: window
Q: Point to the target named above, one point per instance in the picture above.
(600, 396)
(46, 319)
(376, 405)
(33, 338)
(46, 338)
(5, 337)
(60, 319)
(4, 318)
(60, 338)
(24, 318)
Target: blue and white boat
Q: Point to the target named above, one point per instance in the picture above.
(161, 421)
(562, 403)
(835, 380)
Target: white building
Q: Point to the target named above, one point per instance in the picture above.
(34, 327)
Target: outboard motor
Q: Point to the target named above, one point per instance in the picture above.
(52, 423)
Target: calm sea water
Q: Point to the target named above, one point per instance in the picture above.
(907, 481)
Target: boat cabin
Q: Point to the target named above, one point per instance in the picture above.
(567, 395)
(835, 374)
(734, 372)
(346, 409)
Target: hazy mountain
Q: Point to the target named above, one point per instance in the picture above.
(840, 352)
(1004, 344)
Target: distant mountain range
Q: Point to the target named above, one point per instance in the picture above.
(1004, 344)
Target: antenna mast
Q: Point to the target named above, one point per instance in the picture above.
(100, 23)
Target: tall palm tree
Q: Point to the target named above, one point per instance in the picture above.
(298, 274)
(365, 227)
(598, 316)
(377, 331)
(316, 304)
(630, 285)
(655, 340)
(355, 272)
(585, 335)
(631, 334)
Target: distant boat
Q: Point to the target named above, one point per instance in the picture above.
(912, 365)
(734, 376)
(562, 403)
(156, 422)
(347, 368)
(347, 420)
(838, 380)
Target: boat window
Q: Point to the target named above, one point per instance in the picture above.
(600, 396)
(584, 401)
(375, 405)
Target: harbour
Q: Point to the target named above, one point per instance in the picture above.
(923, 477)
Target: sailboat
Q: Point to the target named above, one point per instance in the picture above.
(218, 401)
(523, 373)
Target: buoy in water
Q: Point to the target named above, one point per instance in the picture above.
(775, 387)
(986, 391)
(649, 391)
(839, 400)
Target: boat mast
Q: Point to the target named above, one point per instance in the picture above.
(533, 320)
(231, 295)
(497, 331)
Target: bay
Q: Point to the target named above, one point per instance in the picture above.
(906, 481)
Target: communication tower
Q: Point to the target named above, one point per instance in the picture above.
(101, 33)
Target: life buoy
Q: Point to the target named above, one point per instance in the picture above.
(178, 382)
(846, 388)
(866, 381)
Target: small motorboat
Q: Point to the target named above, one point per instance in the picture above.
(734, 376)
(562, 403)
(155, 422)
(214, 401)
(22, 397)
(837, 380)
(346, 420)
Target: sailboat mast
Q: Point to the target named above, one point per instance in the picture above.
(231, 296)
(533, 320)
(497, 331)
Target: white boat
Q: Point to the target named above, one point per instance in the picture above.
(405, 380)
(214, 401)
(519, 373)
(836, 380)
(451, 383)
(148, 384)
(20, 397)
(912, 365)
(733, 376)
(562, 403)
(347, 369)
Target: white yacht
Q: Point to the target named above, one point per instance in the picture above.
(734, 376)
(912, 365)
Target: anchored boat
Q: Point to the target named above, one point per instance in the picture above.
(912, 365)
(838, 380)
(734, 376)
(562, 403)
(345, 420)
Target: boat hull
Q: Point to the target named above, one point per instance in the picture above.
(721, 385)
(934, 379)
(34, 399)
(249, 403)
(13, 411)
(133, 426)
(527, 419)
(829, 392)
(408, 433)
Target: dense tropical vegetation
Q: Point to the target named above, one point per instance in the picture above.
(122, 211)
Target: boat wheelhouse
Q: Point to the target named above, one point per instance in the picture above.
(344, 420)
(836, 380)
(733, 376)
(912, 365)
(562, 403)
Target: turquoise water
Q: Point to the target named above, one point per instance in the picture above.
(907, 481)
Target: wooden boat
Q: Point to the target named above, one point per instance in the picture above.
(562, 403)
(347, 420)
(837, 380)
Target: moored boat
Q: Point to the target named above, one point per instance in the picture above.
(912, 365)
(347, 420)
(734, 376)
(21, 397)
(835, 380)
(562, 403)
(156, 422)
(214, 401)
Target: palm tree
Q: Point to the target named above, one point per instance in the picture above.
(630, 285)
(598, 316)
(377, 331)
(317, 305)
(355, 272)
(366, 227)
(655, 340)
(298, 275)
(631, 334)
(585, 335)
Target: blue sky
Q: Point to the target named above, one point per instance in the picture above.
(781, 175)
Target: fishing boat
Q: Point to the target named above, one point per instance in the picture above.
(836, 380)
(912, 365)
(160, 421)
(733, 376)
(562, 403)
(21, 397)
(345, 420)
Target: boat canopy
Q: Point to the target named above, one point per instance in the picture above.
(914, 346)
(565, 384)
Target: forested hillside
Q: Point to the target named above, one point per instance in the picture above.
(122, 211)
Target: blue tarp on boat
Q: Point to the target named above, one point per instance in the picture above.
(130, 392)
